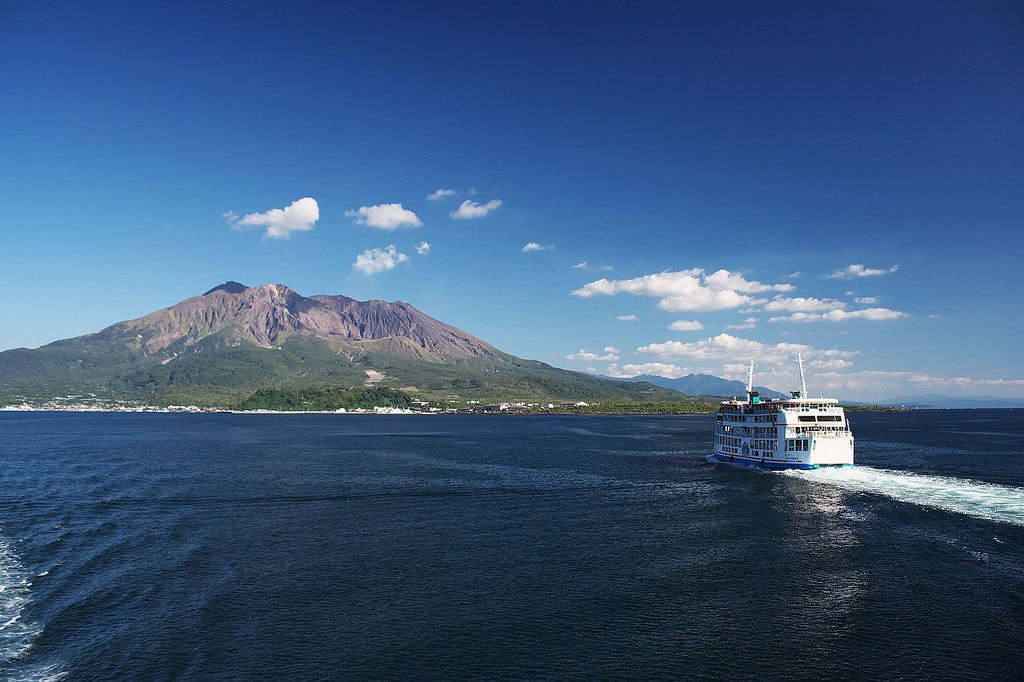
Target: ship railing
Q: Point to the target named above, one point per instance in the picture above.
(817, 433)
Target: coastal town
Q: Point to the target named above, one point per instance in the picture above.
(92, 403)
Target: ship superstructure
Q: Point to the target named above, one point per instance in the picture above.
(792, 433)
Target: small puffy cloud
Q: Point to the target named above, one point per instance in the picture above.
(866, 300)
(858, 270)
(384, 216)
(829, 363)
(469, 209)
(423, 248)
(660, 369)
(748, 323)
(611, 354)
(686, 326)
(372, 261)
(298, 216)
(531, 247)
(440, 194)
(586, 266)
(734, 281)
(686, 290)
(801, 304)
(627, 318)
(792, 275)
(874, 314)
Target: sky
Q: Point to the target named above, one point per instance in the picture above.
(618, 188)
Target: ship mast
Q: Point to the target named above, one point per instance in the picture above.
(803, 383)
(750, 381)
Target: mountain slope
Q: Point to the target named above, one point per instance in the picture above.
(218, 348)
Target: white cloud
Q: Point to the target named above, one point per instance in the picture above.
(627, 318)
(866, 300)
(531, 247)
(873, 314)
(384, 216)
(792, 275)
(441, 194)
(299, 216)
(876, 384)
(686, 290)
(471, 209)
(586, 266)
(725, 280)
(858, 270)
(748, 323)
(800, 304)
(860, 384)
(830, 363)
(373, 261)
(726, 348)
(661, 369)
(423, 248)
(686, 326)
(964, 381)
(611, 354)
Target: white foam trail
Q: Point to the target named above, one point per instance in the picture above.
(979, 499)
(16, 634)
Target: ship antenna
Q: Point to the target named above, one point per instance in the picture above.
(750, 379)
(803, 383)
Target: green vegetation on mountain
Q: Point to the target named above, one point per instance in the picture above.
(325, 399)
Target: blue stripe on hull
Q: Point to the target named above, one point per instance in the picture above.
(769, 464)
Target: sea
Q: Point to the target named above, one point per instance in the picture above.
(236, 547)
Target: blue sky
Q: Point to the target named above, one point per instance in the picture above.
(144, 150)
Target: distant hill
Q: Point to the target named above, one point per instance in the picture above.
(950, 402)
(705, 384)
(219, 348)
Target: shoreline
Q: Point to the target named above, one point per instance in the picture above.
(19, 409)
(149, 409)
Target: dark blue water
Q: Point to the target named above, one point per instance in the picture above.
(300, 546)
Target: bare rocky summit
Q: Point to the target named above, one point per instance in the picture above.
(268, 314)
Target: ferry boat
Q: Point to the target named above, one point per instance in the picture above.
(792, 433)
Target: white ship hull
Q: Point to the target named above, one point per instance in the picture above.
(798, 433)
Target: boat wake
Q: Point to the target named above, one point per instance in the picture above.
(989, 501)
(16, 632)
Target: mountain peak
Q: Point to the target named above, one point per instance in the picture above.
(230, 287)
(266, 315)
